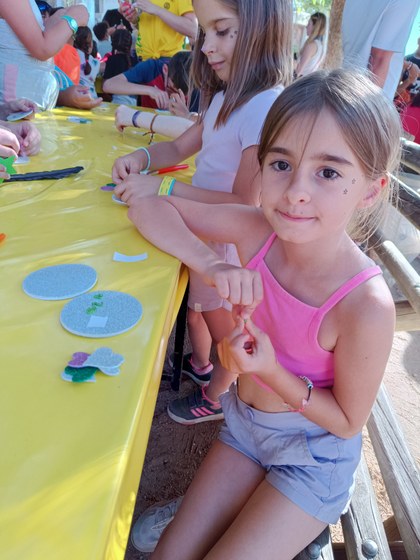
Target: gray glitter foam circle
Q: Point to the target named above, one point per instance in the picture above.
(122, 310)
(62, 281)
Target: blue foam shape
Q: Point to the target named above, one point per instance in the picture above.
(118, 200)
(62, 281)
(116, 312)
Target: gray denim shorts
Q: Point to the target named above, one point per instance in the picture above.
(310, 466)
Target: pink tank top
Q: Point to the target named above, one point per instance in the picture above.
(293, 325)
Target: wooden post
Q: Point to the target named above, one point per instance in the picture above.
(333, 58)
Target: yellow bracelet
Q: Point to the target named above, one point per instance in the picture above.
(166, 186)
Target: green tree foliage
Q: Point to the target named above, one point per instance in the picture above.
(310, 6)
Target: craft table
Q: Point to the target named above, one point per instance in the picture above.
(72, 453)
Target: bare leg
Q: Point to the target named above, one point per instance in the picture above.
(200, 338)
(220, 324)
(222, 486)
(270, 526)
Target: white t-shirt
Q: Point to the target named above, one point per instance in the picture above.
(314, 63)
(221, 152)
(89, 79)
(22, 75)
(383, 24)
(216, 168)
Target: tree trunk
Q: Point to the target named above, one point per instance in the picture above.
(334, 55)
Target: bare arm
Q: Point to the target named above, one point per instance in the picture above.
(379, 64)
(163, 154)
(177, 226)
(306, 55)
(246, 187)
(185, 25)
(120, 84)
(41, 45)
(167, 125)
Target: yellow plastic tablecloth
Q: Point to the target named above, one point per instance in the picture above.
(72, 454)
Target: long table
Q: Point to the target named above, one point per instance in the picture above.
(72, 453)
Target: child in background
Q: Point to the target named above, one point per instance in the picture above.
(26, 48)
(155, 80)
(177, 87)
(240, 61)
(89, 66)
(311, 359)
(119, 62)
(410, 118)
(313, 51)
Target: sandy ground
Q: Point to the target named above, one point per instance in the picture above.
(175, 452)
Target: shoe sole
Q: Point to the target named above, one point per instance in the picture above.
(184, 422)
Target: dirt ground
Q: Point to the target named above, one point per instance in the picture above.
(175, 452)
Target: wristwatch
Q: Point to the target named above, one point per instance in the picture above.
(72, 23)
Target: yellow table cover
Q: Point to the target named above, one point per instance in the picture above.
(72, 453)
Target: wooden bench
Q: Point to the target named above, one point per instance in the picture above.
(364, 533)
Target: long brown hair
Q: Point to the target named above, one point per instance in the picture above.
(83, 42)
(262, 56)
(368, 120)
(319, 22)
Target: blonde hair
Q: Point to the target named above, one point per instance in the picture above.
(368, 121)
(319, 22)
(262, 56)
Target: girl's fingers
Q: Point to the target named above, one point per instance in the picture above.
(253, 330)
(3, 174)
(222, 286)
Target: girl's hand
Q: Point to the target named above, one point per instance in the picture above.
(3, 173)
(123, 117)
(78, 96)
(126, 165)
(127, 10)
(247, 350)
(146, 6)
(178, 105)
(161, 97)
(241, 287)
(29, 137)
(137, 186)
(18, 105)
(9, 144)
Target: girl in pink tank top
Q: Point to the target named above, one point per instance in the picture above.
(314, 321)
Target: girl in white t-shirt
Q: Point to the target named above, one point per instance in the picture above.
(313, 51)
(27, 48)
(241, 61)
(89, 66)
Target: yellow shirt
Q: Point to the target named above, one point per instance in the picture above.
(156, 39)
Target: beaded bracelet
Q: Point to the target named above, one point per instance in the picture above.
(166, 186)
(146, 151)
(134, 118)
(305, 402)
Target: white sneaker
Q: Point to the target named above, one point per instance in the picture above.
(151, 523)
